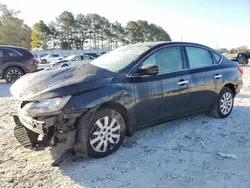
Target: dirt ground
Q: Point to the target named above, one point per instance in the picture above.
(181, 153)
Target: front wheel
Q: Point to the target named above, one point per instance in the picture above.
(103, 135)
(224, 104)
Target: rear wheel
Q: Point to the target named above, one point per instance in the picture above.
(224, 104)
(104, 135)
(12, 74)
(44, 61)
(65, 65)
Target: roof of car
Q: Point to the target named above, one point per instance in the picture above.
(160, 43)
(10, 46)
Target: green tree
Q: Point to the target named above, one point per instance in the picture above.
(223, 50)
(13, 31)
(40, 35)
(66, 23)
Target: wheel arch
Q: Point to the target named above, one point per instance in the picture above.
(123, 111)
(13, 66)
(231, 86)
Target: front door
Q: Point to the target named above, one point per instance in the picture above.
(162, 96)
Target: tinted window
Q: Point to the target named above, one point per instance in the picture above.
(198, 57)
(167, 59)
(217, 58)
(55, 55)
(10, 53)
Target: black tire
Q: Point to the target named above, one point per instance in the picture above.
(216, 110)
(85, 133)
(12, 74)
(65, 65)
(44, 61)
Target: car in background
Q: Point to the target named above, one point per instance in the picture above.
(91, 54)
(72, 60)
(242, 58)
(90, 108)
(15, 62)
(51, 57)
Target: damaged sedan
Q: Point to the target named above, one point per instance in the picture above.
(92, 107)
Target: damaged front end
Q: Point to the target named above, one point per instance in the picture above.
(55, 129)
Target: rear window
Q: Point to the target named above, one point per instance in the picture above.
(24, 52)
(11, 53)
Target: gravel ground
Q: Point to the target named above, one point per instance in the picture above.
(181, 153)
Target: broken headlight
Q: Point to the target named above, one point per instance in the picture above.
(46, 107)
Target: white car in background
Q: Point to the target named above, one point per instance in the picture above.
(72, 60)
(51, 57)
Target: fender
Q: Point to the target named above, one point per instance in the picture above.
(119, 93)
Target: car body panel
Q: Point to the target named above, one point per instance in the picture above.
(147, 99)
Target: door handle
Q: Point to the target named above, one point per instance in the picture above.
(183, 82)
(217, 76)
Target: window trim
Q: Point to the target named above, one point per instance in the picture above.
(188, 63)
(184, 63)
(184, 56)
(11, 50)
(209, 50)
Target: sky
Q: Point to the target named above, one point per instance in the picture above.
(215, 23)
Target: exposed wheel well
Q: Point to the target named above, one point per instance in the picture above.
(13, 66)
(231, 86)
(123, 111)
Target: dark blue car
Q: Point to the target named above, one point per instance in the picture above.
(93, 106)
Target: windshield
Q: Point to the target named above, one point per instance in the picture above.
(70, 57)
(119, 58)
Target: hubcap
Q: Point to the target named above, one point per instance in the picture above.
(13, 75)
(226, 103)
(105, 134)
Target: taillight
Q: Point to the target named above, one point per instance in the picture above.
(240, 68)
(33, 58)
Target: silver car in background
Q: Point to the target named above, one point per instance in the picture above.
(72, 60)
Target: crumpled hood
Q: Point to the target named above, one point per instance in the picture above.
(60, 82)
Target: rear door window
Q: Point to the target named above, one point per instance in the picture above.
(10, 53)
(198, 57)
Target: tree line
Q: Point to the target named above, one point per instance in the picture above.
(80, 31)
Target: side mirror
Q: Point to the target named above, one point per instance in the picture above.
(148, 69)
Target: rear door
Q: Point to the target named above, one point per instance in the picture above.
(202, 77)
(162, 96)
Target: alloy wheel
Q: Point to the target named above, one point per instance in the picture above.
(226, 103)
(105, 134)
(13, 74)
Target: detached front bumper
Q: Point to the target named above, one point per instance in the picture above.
(53, 129)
